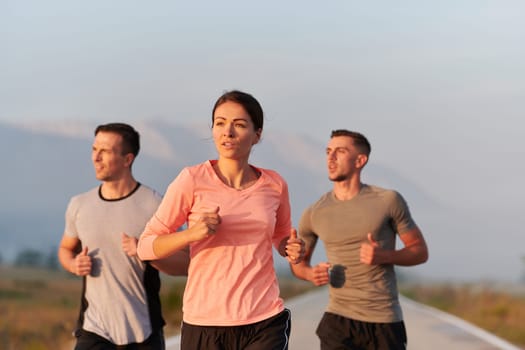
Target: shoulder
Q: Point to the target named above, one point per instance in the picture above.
(148, 192)
(88, 195)
(324, 200)
(382, 192)
(197, 170)
(272, 175)
(390, 197)
(273, 179)
(82, 199)
(307, 216)
(189, 177)
(190, 173)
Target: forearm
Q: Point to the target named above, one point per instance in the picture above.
(66, 258)
(153, 246)
(408, 256)
(166, 245)
(305, 271)
(175, 265)
(302, 271)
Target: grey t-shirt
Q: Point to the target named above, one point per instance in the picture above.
(358, 291)
(115, 291)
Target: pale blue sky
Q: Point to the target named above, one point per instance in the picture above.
(309, 62)
(415, 76)
(437, 86)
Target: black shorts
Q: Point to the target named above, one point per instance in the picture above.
(341, 333)
(270, 334)
(88, 340)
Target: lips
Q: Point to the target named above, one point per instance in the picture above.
(228, 144)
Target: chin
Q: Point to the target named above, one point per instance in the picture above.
(101, 177)
(337, 178)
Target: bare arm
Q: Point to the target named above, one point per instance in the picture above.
(78, 264)
(317, 274)
(414, 252)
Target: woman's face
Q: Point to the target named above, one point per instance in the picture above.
(233, 131)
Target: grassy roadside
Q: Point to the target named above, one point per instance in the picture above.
(39, 308)
(498, 309)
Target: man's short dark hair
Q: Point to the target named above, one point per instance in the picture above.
(130, 137)
(360, 141)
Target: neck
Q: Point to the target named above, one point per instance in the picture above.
(235, 174)
(348, 189)
(118, 189)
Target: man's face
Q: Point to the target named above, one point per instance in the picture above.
(341, 158)
(109, 162)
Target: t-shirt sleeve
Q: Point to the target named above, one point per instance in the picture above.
(70, 218)
(170, 215)
(401, 218)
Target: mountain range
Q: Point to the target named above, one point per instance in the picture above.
(47, 163)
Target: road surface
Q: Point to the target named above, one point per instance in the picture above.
(427, 328)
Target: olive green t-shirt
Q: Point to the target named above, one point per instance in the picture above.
(358, 291)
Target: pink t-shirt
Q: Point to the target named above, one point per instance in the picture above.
(231, 277)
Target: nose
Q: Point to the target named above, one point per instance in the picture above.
(330, 155)
(228, 130)
(95, 155)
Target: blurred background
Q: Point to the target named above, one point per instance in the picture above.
(438, 88)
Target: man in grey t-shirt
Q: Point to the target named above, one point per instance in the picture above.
(120, 298)
(358, 224)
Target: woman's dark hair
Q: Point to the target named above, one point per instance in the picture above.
(247, 101)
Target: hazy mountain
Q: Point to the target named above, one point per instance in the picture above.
(45, 164)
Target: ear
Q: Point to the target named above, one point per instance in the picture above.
(258, 134)
(361, 160)
(128, 159)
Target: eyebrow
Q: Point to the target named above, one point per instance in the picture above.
(336, 148)
(235, 119)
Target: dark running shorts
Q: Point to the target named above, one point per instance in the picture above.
(87, 340)
(270, 334)
(341, 333)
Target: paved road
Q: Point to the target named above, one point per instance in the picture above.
(427, 328)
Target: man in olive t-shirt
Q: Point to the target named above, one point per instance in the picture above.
(358, 224)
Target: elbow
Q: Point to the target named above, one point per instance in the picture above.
(294, 273)
(424, 257)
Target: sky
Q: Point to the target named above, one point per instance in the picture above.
(437, 86)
